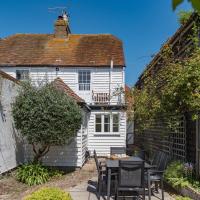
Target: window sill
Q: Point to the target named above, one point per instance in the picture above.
(116, 134)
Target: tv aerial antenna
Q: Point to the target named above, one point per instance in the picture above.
(57, 9)
(60, 11)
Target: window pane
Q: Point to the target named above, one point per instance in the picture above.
(22, 74)
(98, 123)
(106, 123)
(115, 118)
(106, 118)
(115, 128)
(98, 118)
(98, 127)
(18, 75)
(115, 122)
(106, 127)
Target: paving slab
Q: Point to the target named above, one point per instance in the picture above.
(87, 191)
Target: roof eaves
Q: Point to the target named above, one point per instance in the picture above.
(7, 76)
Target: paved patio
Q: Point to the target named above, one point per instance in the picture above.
(87, 191)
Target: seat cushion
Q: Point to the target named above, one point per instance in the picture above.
(154, 177)
(136, 189)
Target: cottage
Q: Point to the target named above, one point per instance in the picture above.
(90, 68)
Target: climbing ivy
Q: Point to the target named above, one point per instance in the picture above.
(183, 16)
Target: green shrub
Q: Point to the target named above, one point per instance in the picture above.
(183, 198)
(35, 174)
(49, 194)
(174, 174)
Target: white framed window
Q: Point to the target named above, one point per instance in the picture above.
(106, 123)
(22, 74)
(84, 79)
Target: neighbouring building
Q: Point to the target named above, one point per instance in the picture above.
(91, 68)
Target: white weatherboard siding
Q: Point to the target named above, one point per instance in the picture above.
(102, 142)
(103, 80)
(84, 138)
(67, 155)
(100, 78)
(71, 154)
(11, 144)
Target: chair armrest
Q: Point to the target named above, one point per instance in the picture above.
(154, 166)
(150, 172)
(102, 163)
(114, 174)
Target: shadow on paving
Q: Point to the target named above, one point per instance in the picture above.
(87, 191)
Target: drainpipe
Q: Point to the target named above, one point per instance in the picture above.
(110, 79)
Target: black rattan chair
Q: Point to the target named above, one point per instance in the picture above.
(117, 150)
(156, 175)
(141, 154)
(130, 179)
(101, 174)
(156, 158)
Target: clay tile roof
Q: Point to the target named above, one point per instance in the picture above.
(7, 76)
(127, 88)
(59, 84)
(76, 50)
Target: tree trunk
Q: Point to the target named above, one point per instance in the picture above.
(43, 150)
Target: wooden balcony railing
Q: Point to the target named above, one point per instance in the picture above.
(100, 98)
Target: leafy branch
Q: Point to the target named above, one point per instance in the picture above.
(195, 4)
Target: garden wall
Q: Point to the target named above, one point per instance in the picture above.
(11, 145)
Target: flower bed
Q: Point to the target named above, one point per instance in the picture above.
(180, 177)
(189, 192)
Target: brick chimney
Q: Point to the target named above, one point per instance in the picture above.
(61, 27)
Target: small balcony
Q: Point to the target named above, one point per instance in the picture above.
(100, 98)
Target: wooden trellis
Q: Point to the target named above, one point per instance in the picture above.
(159, 136)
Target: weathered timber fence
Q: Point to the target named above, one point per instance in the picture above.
(181, 143)
(158, 136)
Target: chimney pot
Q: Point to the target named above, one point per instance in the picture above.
(61, 28)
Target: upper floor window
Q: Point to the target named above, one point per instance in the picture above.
(22, 74)
(84, 78)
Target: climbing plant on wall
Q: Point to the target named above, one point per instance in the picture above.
(171, 89)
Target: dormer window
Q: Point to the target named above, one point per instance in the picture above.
(84, 79)
(22, 74)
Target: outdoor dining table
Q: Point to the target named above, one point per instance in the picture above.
(113, 165)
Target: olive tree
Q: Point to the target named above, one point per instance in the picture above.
(45, 116)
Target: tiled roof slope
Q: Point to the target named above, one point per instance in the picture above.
(59, 84)
(75, 50)
(7, 76)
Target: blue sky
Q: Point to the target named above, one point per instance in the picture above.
(142, 25)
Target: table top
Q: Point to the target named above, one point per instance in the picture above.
(115, 163)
